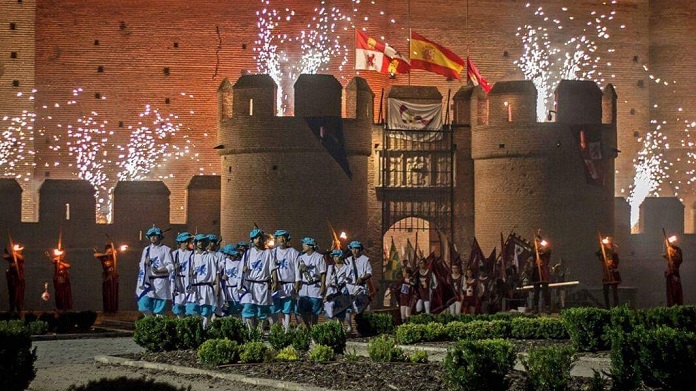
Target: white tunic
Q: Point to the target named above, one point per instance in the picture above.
(229, 267)
(337, 279)
(257, 280)
(151, 284)
(180, 257)
(200, 279)
(315, 266)
(360, 268)
(286, 259)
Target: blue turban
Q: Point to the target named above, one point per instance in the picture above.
(335, 253)
(154, 231)
(213, 238)
(310, 242)
(355, 244)
(229, 249)
(201, 238)
(256, 232)
(282, 232)
(242, 244)
(183, 237)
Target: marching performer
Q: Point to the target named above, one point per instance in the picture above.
(426, 282)
(260, 279)
(202, 281)
(675, 296)
(458, 287)
(230, 277)
(405, 292)
(109, 277)
(611, 278)
(541, 273)
(181, 258)
(338, 298)
(153, 289)
(61, 280)
(472, 291)
(15, 276)
(286, 258)
(362, 273)
(310, 282)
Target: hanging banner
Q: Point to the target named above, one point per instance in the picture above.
(424, 119)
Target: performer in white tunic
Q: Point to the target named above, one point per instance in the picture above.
(260, 279)
(310, 282)
(153, 289)
(338, 301)
(286, 258)
(213, 250)
(230, 275)
(180, 260)
(362, 272)
(202, 279)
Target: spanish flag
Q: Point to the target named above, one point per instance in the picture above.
(432, 57)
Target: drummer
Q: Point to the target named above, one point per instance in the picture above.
(338, 300)
(361, 272)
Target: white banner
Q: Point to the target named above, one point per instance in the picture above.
(415, 116)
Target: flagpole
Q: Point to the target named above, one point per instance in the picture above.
(410, 49)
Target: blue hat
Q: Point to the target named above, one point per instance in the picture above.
(310, 242)
(242, 244)
(201, 238)
(213, 238)
(335, 253)
(229, 249)
(183, 237)
(255, 233)
(282, 232)
(355, 244)
(154, 231)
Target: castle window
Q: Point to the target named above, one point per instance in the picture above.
(251, 107)
(176, 44)
(67, 211)
(166, 71)
(100, 69)
(13, 26)
(120, 124)
(97, 95)
(47, 174)
(13, 54)
(243, 46)
(15, 83)
(122, 25)
(96, 42)
(166, 101)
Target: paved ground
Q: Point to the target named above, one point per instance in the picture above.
(61, 364)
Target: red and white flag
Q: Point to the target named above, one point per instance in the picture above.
(373, 55)
(474, 76)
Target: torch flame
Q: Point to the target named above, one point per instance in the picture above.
(123, 248)
(343, 236)
(543, 243)
(605, 240)
(57, 252)
(672, 238)
(17, 247)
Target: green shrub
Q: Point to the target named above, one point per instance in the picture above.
(479, 365)
(466, 318)
(624, 319)
(124, 383)
(668, 359)
(419, 356)
(538, 328)
(383, 349)
(214, 352)
(445, 317)
(625, 358)
(676, 317)
(421, 319)
(321, 353)
(16, 356)
(230, 328)
(301, 339)
(456, 330)
(480, 329)
(331, 334)
(189, 333)
(548, 368)
(552, 328)
(253, 352)
(50, 319)
(287, 354)
(155, 333)
(435, 332)
(369, 324)
(598, 382)
(586, 327)
(38, 327)
(410, 333)
(278, 338)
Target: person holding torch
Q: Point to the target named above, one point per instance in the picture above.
(15, 275)
(61, 280)
(673, 255)
(611, 277)
(541, 273)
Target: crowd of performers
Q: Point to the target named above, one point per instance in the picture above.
(259, 282)
(481, 284)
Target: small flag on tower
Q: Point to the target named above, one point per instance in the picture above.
(474, 76)
(433, 57)
(373, 55)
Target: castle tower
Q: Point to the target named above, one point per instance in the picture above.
(531, 175)
(295, 173)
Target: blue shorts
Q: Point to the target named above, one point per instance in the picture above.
(156, 306)
(233, 308)
(179, 309)
(255, 311)
(310, 305)
(193, 309)
(283, 305)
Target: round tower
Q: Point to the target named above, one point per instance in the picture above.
(296, 173)
(531, 176)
